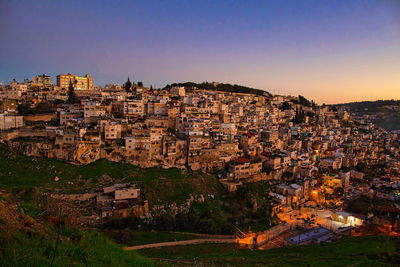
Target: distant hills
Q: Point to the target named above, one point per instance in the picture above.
(383, 113)
(226, 87)
(369, 106)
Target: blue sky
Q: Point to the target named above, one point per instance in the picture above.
(329, 51)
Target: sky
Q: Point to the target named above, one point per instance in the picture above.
(329, 51)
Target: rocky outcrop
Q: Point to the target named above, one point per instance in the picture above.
(114, 154)
(87, 152)
(173, 209)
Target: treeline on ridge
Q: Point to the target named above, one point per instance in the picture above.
(226, 87)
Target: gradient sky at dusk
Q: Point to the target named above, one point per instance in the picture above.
(329, 51)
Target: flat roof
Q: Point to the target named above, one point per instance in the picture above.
(312, 234)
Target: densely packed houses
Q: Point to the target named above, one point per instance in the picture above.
(312, 152)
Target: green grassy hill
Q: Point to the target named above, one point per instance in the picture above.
(19, 172)
(78, 248)
(25, 241)
(32, 242)
(29, 177)
(348, 251)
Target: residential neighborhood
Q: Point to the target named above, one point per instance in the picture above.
(200, 133)
(318, 159)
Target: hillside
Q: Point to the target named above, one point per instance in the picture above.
(348, 251)
(371, 106)
(25, 241)
(29, 227)
(18, 172)
(221, 87)
(179, 199)
(383, 113)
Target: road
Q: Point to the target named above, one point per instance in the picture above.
(183, 242)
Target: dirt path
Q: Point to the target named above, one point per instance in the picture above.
(183, 242)
(205, 235)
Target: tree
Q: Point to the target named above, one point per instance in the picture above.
(71, 94)
(313, 104)
(140, 84)
(24, 109)
(128, 85)
(304, 101)
(299, 116)
(285, 106)
(220, 87)
(310, 114)
(57, 214)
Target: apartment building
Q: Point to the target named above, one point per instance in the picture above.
(112, 130)
(244, 168)
(92, 110)
(78, 82)
(178, 90)
(43, 81)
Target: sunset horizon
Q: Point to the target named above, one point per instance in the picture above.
(330, 51)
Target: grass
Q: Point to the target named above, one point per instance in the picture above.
(77, 248)
(161, 186)
(29, 177)
(349, 251)
(25, 241)
(17, 170)
(30, 208)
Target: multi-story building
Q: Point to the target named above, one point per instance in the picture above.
(15, 90)
(93, 110)
(112, 130)
(79, 83)
(244, 168)
(178, 90)
(133, 107)
(67, 116)
(42, 81)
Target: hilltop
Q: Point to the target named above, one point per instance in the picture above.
(225, 87)
(370, 106)
(383, 113)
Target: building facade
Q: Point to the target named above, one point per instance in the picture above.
(43, 81)
(79, 83)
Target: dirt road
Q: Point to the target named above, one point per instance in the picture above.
(183, 242)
